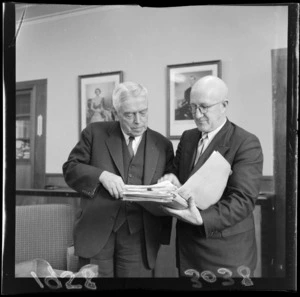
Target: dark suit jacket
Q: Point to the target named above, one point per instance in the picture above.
(99, 149)
(233, 213)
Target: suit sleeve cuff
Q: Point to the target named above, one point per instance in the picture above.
(208, 224)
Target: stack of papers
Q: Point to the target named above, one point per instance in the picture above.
(205, 186)
(161, 192)
(152, 196)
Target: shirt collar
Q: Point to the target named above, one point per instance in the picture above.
(212, 134)
(126, 136)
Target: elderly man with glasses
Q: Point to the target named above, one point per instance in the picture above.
(221, 238)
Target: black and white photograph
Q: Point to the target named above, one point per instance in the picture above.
(96, 97)
(150, 148)
(181, 78)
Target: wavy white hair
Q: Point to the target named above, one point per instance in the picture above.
(127, 89)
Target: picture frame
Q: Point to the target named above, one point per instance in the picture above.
(180, 79)
(95, 97)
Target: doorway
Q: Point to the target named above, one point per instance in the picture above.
(31, 99)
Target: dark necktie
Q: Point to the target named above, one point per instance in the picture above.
(130, 149)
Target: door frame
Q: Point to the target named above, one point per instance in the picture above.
(279, 102)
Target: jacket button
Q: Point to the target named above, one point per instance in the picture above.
(130, 175)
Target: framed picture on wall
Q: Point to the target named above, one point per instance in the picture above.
(95, 96)
(181, 78)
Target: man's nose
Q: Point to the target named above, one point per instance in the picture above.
(198, 113)
(137, 118)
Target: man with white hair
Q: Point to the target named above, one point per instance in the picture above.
(121, 237)
(221, 238)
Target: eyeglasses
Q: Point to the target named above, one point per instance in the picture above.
(202, 109)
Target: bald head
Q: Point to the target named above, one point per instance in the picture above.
(210, 87)
(209, 100)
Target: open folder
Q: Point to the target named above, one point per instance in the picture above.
(206, 186)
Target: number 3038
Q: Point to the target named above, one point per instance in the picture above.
(210, 277)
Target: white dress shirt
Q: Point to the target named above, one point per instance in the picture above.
(211, 135)
(135, 142)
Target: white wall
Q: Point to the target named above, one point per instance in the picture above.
(142, 42)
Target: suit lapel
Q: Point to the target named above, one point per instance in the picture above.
(190, 151)
(219, 143)
(114, 144)
(151, 157)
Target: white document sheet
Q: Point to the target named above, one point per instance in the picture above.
(208, 183)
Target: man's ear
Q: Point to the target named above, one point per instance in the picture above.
(225, 103)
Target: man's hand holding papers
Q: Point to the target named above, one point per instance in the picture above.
(190, 214)
(203, 189)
